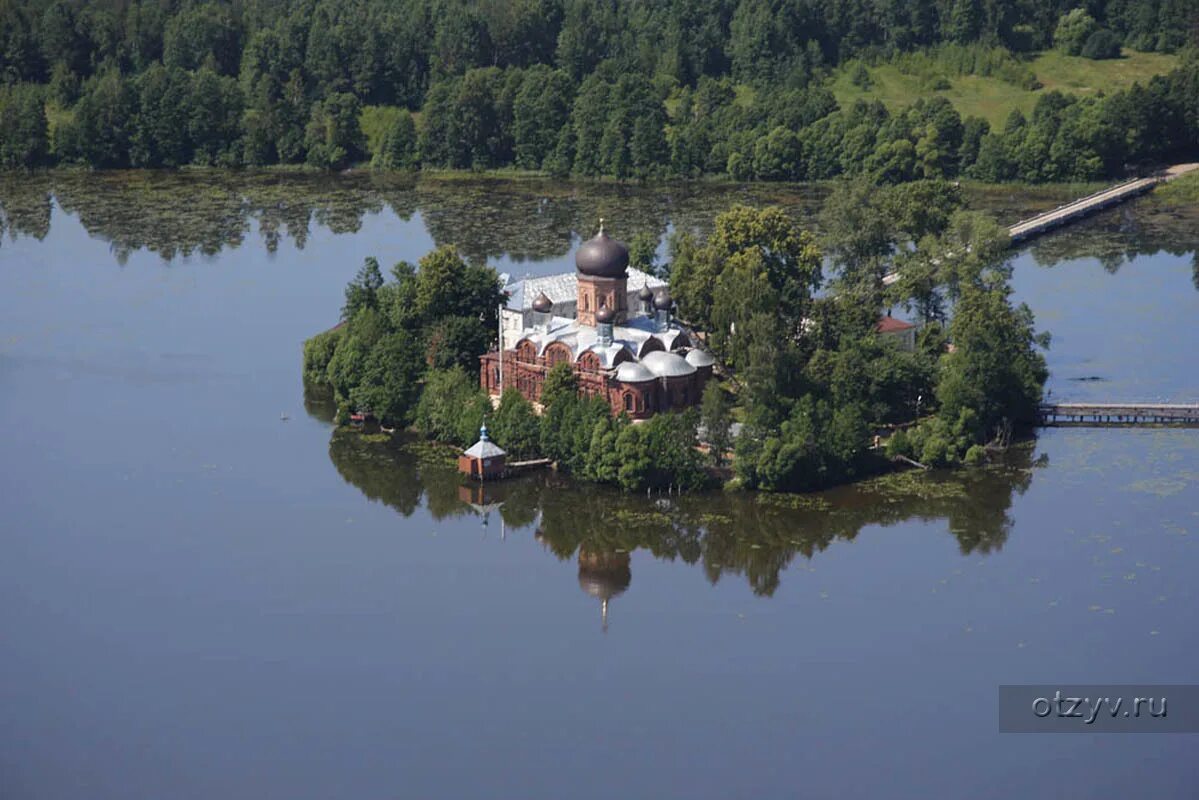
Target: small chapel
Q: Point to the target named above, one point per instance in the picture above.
(613, 325)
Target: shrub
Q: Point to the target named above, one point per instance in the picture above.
(1101, 44)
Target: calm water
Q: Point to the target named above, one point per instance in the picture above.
(198, 599)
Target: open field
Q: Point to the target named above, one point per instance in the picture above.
(992, 98)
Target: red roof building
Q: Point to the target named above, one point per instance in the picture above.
(902, 330)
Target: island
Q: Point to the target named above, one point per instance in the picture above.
(740, 363)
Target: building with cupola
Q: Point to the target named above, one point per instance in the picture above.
(613, 325)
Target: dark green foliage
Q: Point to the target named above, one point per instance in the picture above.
(716, 417)
(576, 87)
(363, 291)
(333, 137)
(514, 426)
(560, 384)
(398, 150)
(318, 352)
(23, 137)
(643, 253)
(995, 370)
(452, 407)
(814, 447)
(659, 454)
(1073, 31)
(440, 316)
(1101, 44)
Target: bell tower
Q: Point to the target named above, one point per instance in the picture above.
(602, 264)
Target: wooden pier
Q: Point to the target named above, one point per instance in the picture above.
(1119, 414)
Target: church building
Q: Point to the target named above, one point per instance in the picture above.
(613, 326)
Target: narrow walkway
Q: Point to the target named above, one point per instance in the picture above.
(1119, 414)
(1085, 206)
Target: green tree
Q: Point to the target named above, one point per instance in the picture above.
(204, 33)
(995, 372)
(451, 407)
(1073, 29)
(23, 130)
(1101, 44)
(398, 150)
(514, 426)
(560, 383)
(333, 137)
(643, 253)
(363, 291)
(716, 418)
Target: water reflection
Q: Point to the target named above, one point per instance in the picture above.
(176, 214)
(753, 536)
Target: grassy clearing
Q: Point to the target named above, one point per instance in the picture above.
(1180, 191)
(992, 98)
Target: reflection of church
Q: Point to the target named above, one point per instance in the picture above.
(619, 339)
(604, 576)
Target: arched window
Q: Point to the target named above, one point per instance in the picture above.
(556, 354)
(628, 401)
(526, 351)
(586, 305)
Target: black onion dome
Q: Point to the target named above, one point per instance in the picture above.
(646, 294)
(662, 301)
(605, 315)
(543, 304)
(602, 257)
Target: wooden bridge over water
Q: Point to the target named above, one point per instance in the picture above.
(1085, 206)
(1118, 414)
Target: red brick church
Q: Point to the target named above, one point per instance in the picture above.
(613, 325)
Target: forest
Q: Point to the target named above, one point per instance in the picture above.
(804, 370)
(623, 89)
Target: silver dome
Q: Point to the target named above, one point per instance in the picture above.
(700, 358)
(667, 365)
(633, 372)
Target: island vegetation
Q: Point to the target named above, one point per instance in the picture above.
(747, 89)
(822, 397)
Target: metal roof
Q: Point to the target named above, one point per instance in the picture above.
(632, 372)
(564, 288)
(484, 449)
(667, 365)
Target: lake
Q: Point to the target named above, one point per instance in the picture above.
(200, 598)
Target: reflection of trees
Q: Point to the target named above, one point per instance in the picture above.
(179, 213)
(1114, 238)
(25, 204)
(752, 535)
(381, 471)
(528, 219)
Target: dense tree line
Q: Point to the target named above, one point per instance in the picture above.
(618, 88)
